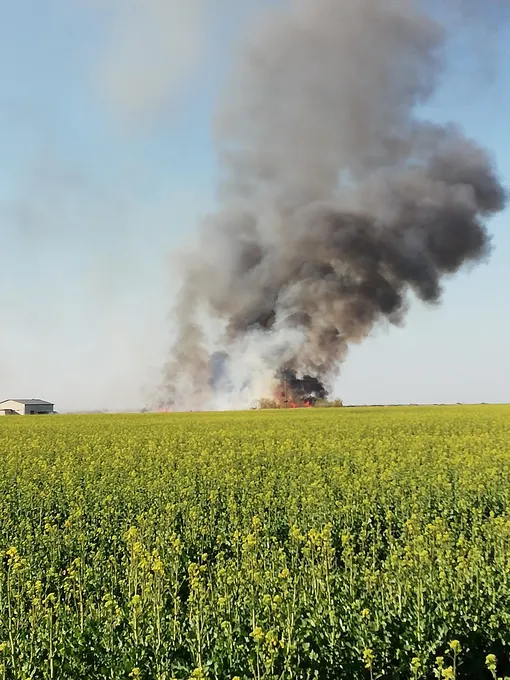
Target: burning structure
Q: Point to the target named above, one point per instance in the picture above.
(287, 390)
(337, 201)
(295, 392)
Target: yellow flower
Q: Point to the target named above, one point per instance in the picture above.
(415, 664)
(455, 646)
(490, 662)
(157, 566)
(368, 657)
(257, 634)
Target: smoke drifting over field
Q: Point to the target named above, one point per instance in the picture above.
(336, 201)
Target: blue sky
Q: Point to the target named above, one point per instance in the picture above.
(96, 192)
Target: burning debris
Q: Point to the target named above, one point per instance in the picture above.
(288, 390)
(337, 201)
(295, 392)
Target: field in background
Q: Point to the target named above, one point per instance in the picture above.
(338, 543)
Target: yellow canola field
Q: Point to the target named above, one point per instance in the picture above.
(335, 543)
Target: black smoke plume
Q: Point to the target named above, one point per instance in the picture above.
(298, 391)
(337, 199)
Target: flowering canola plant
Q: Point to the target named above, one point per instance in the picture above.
(335, 543)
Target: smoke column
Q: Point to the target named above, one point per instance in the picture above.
(336, 199)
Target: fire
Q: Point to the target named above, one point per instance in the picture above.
(292, 392)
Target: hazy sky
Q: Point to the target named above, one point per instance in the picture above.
(107, 164)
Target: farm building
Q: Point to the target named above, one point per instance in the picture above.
(25, 407)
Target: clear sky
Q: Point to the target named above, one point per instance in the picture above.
(106, 165)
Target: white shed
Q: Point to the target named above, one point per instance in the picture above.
(25, 407)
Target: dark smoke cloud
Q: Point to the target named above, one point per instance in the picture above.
(306, 389)
(337, 200)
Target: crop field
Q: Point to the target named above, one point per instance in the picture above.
(335, 543)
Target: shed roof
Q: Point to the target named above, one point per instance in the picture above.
(29, 402)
